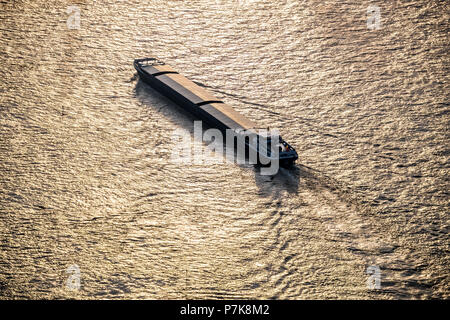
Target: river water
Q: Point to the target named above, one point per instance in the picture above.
(88, 188)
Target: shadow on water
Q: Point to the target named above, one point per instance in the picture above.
(274, 185)
(290, 179)
(149, 97)
(302, 177)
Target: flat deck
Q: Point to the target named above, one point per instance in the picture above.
(199, 96)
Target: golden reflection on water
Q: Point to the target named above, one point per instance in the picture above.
(86, 177)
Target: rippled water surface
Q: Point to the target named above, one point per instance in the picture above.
(86, 177)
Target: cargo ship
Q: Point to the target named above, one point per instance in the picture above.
(205, 106)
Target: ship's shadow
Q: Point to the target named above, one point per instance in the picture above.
(151, 98)
(286, 179)
(291, 179)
